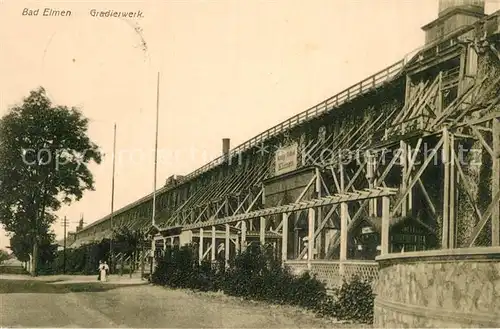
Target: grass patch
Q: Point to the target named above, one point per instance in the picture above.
(44, 287)
(27, 286)
(6, 269)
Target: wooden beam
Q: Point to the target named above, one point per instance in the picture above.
(284, 238)
(319, 214)
(456, 103)
(262, 230)
(446, 189)
(321, 226)
(467, 187)
(304, 191)
(205, 253)
(241, 204)
(480, 137)
(370, 176)
(417, 176)
(243, 235)
(227, 247)
(495, 184)
(453, 195)
(487, 214)
(408, 171)
(255, 200)
(344, 230)
(404, 169)
(310, 233)
(325, 201)
(327, 190)
(384, 245)
(427, 197)
(200, 247)
(213, 243)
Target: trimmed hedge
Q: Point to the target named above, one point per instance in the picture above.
(256, 274)
(82, 260)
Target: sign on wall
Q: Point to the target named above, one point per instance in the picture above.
(286, 159)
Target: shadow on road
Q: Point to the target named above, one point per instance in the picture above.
(31, 286)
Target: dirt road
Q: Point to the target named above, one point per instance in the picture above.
(35, 303)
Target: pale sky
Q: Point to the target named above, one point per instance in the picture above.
(228, 68)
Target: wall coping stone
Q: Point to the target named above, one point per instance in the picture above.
(472, 319)
(481, 254)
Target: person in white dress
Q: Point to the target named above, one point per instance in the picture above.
(103, 270)
(99, 270)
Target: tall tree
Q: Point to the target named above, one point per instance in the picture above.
(4, 255)
(44, 157)
(128, 241)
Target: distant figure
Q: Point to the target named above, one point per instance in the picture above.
(99, 270)
(104, 268)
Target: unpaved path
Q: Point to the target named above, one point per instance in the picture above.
(141, 306)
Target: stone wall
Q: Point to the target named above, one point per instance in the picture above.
(443, 288)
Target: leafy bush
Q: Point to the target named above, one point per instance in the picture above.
(355, 301)
(82, 260)
(257, 274)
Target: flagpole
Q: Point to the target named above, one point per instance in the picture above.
(112, 198)
(156, 148)
(153, 213)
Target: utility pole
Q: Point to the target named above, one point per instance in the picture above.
(112, 200)
(65, 224)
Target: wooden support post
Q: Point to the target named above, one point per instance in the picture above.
(310, 236)
(164, 244)
(243, 235)
(172, 239)
(263, 195)
(440, 94)
(284, 238)
(446, 189)
(495, 184)
(342, 178)
(407, 89)
(462, 72)
(374, 164)
(237, 246)
(409, 165)
(319, 215)
(404, 169)
(143, 258)
(384, 244)
(214, 245)
(227, 247)
(153, 252)
(200, 247)
(262, 231)
(344, 224)
(370, 177)
(453, 186)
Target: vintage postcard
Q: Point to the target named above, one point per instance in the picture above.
(250, 164)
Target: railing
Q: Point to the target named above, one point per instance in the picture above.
(333, 272)
(344, 96)
(335, 101)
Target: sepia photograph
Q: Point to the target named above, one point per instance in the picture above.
(250, 164)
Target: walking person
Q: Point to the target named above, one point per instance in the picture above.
(106, 271)
(102, 271)
(99, 271)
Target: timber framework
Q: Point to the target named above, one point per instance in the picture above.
(406, 160)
